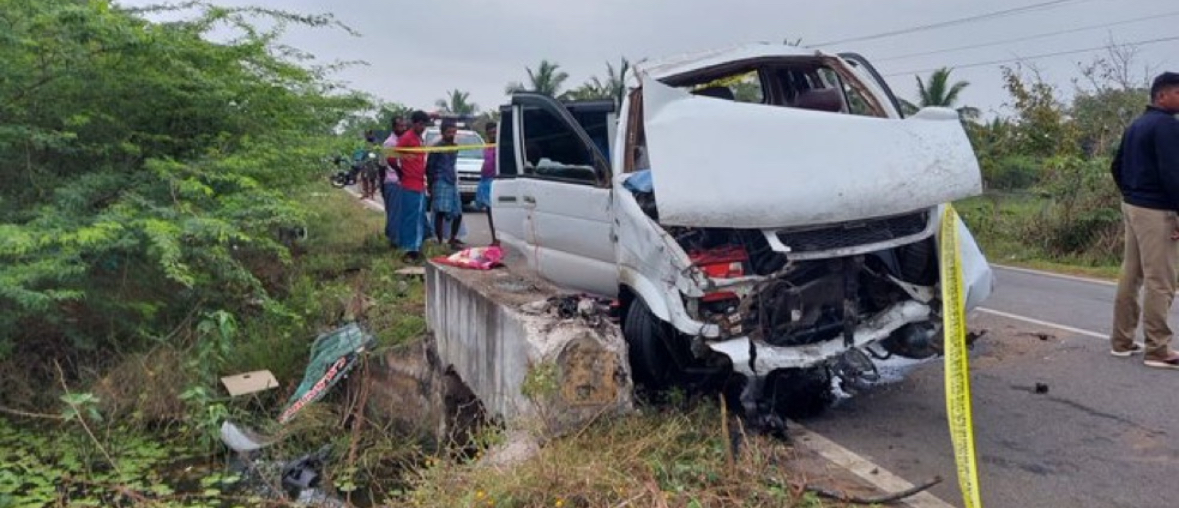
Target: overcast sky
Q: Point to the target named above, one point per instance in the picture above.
(418, 50)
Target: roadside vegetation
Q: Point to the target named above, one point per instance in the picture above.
(677, 455)
(1050, 201)
(156, 187)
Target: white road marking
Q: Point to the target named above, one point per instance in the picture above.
(867, 470)
(1055, 275)
(1034, 321)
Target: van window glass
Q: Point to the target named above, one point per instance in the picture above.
(856, 103)
(553, 150)
(742, 87)
(505, 154)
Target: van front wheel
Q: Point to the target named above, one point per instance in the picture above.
(649, 340)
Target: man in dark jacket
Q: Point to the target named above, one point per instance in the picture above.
(1146, 170)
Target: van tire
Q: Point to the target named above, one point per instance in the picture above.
(651, 362)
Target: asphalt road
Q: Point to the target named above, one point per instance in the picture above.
(1103, 436)
(1106, 433)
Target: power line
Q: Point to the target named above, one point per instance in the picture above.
(952, 22)
(1033, 57)
(1032, 37)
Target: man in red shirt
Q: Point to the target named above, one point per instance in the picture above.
(413, 188)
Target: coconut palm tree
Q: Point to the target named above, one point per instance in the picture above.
(546, 80)
(458, 102)
(613, 87)
(940, 93)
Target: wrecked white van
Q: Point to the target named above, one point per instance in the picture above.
(763, 210)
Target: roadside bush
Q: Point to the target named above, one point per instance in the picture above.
(1013, 172)
(148, 172)
(1002, 222)
(1083, 221)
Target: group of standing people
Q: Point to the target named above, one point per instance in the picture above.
(419, 183)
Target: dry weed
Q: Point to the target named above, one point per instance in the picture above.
(664, 457)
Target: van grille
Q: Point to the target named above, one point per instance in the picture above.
(852, 234)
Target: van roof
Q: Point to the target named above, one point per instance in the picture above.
(670, 66)
(578, 106)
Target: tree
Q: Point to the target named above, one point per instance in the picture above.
(547, 80)
(379, 117)
(458, 103)
(613, 87)
(1041, 129)
(1113, 92)
(483, 120)
(147, 171)
(940, 93)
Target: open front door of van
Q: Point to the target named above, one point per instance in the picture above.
(561, 192)
(511, 214)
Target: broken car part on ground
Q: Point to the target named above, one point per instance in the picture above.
(793, 247)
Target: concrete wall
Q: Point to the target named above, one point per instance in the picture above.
(482, 332)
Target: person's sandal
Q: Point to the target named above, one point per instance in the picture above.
(1170, 362)
(1134, 350)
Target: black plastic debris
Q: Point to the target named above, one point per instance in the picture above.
(303, 473)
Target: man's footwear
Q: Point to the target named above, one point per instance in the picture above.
(1137, 348)
(1171, 362)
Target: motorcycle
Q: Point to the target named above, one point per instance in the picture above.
(343, 178)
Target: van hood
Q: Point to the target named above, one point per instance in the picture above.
(725, 164)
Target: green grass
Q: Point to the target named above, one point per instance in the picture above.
(344, 270)
(1003, 225)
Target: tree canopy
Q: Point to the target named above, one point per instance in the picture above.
(548, 79)
(458, 102)
(146, 168)
(939, 92)
(613, 87)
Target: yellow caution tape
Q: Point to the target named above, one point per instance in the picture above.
(388, 152)
(958, 410)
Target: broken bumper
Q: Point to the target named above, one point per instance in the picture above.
(765, 358)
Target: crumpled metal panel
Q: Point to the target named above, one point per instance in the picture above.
(725, 164)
